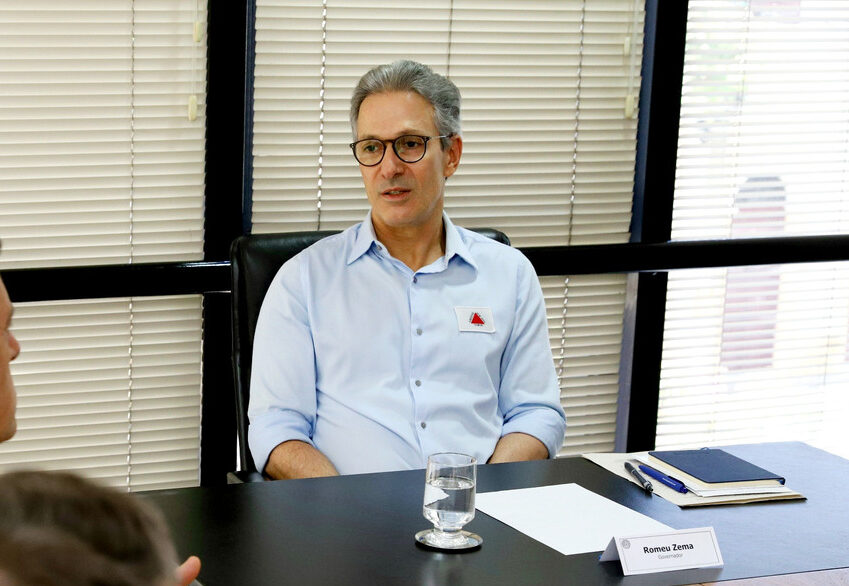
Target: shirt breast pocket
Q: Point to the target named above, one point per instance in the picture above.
(479, 340)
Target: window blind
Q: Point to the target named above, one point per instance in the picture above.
(549, 125)
(109, 388)
(99, 162)
(102, 162)
(760, 353)
(585, 314)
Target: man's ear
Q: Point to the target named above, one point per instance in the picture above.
(452, 156)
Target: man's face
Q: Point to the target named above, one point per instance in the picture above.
(9, 349)
(405, 195)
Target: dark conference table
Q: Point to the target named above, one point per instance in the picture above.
(359, 529)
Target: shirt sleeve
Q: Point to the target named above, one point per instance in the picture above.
(529, 396)
(282, 404)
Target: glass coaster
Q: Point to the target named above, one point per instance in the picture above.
(464, 540)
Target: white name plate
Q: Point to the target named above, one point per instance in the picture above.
(684, 549)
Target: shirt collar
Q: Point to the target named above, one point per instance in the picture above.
(454, 244)
(364, 239)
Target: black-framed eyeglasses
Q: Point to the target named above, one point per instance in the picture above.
(410, 148)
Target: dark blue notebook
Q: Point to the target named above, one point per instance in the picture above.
(713, 465)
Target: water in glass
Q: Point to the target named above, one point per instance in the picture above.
(449, 502)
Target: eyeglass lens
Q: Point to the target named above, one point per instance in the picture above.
(409, 148)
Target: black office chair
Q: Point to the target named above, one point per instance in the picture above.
(254, 260)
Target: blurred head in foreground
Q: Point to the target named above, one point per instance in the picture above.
(58, 528)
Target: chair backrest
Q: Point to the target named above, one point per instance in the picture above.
(254, 260)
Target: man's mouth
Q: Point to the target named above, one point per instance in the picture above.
(394, 191)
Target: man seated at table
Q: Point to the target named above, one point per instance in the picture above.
(404, 335)
(44, 492)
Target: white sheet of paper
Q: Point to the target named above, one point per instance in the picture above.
(565, 517)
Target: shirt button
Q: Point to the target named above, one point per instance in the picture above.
(418, 383)
(423, 424)
(415, 279)
(418, 331)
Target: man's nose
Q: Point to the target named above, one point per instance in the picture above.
(391, 165)
(14, 345)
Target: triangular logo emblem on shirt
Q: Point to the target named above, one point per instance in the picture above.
(475, 319)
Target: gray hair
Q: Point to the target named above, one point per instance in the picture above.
(404, 76)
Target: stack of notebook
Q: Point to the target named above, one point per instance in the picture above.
(716, 477)
(715, 472)
(710, 476)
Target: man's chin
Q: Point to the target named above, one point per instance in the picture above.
(401, 218)
(8, 431)
(8, 425)
(395, 219)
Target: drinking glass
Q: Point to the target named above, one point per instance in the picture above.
(449, 501)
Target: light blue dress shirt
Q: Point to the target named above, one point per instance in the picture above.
(375, 365)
